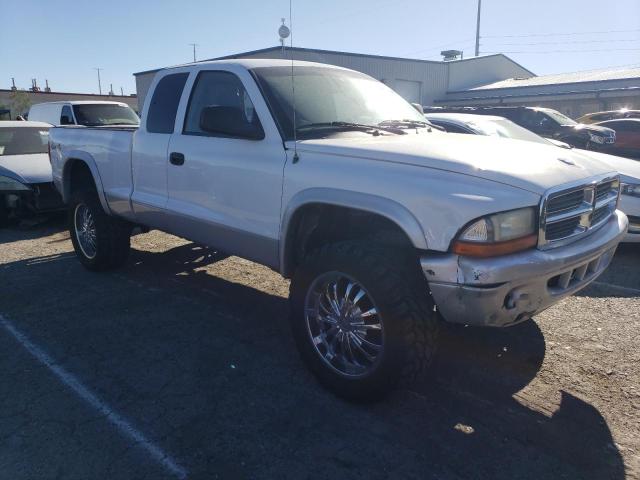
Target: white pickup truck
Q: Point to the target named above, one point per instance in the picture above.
(385, 225)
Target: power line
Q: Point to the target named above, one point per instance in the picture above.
(560, 34)
(567, 51)
(437, 48)
(570, 42)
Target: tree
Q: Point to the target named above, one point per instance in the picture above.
(20, 103)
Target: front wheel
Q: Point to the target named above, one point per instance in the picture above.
(101, 241)
(362, 319)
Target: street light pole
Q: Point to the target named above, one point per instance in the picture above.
(478, 29)
(99, 84)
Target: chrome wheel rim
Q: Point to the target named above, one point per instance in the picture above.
(344, 324)
(85, 229)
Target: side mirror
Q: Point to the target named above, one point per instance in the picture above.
(418, 107)
(229, 121)
(66, 120)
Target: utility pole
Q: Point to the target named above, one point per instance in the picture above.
(99, 84)
(194, 45)
(478, 29)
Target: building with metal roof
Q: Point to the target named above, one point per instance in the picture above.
(574, 94)
(485, 80)
(419, 81)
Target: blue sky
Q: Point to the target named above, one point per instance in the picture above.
(63, 40)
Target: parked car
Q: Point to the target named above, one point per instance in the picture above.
(86, 113)
(385, 225)
(629, 192)
(627, 137)
(546, 122)
(501, 127)
(25, 172)
(609, 115)
(491, 125)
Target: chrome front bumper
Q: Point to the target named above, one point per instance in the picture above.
(502, 291)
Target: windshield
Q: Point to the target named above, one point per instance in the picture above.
(23, 140)
(505, 128)
(560, 118)
(98, 114)
(324, 96)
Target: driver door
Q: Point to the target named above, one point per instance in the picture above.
(225, 190)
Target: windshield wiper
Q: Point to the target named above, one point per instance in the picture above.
(406, 123)
(362, 127)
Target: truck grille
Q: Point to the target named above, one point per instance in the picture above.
(570, 213)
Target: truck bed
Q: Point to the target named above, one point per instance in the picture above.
(106, 150)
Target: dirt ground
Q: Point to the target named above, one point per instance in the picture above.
(181, 365)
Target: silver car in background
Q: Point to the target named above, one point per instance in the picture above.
(25, 171)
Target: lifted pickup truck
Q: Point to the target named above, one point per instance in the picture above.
(385, 226)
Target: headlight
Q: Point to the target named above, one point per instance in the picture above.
(632, 189)
(10, 185)
(596, 138)
(498, 234)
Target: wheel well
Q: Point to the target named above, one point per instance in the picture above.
(314, 225)
(79, 175)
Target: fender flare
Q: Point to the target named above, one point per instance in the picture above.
(73, 156)
(375, 204)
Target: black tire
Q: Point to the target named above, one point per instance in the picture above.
(112, 235)
(400, 294)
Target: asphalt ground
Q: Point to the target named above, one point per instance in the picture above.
(181, 365)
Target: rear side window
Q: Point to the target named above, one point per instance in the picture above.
(164, 103)
(66, 117)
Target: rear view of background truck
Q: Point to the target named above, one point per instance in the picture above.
(385, 226)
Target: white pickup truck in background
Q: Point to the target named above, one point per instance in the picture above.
(386, 226)
(88, 113)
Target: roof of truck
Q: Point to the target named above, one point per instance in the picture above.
(81, 102)
(23, 123)
(250, 63)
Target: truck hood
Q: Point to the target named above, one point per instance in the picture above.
(27, 169)
(526, 165)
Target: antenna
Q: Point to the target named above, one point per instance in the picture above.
(293, 89)
(194, 45)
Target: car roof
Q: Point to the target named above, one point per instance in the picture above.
(621, 111)
(18, 123)
(79, 102)
(250, 63)
(635, 120)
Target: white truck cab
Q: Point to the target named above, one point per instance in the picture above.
(88, 113)
(386, 226)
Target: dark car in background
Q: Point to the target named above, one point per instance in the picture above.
(546, 122)
(627, 137)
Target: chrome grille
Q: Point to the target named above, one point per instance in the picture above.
(569, 213)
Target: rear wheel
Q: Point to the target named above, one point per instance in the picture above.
(101, 241)
(362, 319)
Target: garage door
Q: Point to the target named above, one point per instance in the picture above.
(409, 90)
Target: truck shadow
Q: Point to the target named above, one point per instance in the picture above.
(474, 387)
(468, 419)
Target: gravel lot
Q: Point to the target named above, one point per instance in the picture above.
(181, 365)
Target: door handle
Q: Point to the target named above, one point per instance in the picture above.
(176, 158)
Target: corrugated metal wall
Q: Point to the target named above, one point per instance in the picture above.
(434, 78)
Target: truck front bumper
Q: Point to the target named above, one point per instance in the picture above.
(503, 291)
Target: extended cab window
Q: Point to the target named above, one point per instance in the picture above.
(218, 89)
(66, 117)
(164, 103)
